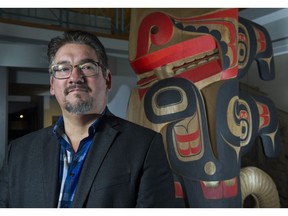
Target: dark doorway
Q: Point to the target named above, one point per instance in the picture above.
(24, 117)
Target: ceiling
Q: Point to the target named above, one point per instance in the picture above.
(274, 20)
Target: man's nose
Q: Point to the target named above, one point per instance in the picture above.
(76, 75)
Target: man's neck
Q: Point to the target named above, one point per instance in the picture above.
(76, 127)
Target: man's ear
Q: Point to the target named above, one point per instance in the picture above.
(108, 80)
(51, 86)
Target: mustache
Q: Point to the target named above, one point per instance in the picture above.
(78, 86)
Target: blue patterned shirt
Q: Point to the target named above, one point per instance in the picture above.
(71, 162)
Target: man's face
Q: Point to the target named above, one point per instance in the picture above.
(78, 94)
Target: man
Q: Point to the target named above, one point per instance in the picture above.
(90, 158)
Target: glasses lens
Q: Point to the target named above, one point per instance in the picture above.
(89, 68)
(61, 70)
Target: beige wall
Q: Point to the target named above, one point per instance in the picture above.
(51, 108)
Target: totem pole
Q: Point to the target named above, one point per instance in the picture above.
(186, 61)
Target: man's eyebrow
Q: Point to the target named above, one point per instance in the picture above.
(63, 62)
(87, 60)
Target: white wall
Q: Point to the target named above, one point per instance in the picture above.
(119, 95)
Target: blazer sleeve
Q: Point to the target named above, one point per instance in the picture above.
(156, 185)
(4, 184)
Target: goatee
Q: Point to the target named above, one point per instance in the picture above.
(80, 107)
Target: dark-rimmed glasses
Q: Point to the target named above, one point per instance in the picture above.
(64, 70)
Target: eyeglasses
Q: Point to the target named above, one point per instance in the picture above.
(64, 70)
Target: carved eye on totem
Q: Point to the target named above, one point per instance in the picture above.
(154, 30)
(170, 99)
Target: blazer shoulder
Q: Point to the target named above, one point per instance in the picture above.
(126, 125)
(33, 137)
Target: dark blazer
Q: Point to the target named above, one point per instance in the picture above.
(126, 166)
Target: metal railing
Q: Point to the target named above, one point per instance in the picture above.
(65, 18)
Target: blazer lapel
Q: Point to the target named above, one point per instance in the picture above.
(102, 141)
(51, 170)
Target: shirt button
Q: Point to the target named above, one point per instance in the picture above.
(71, 174)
